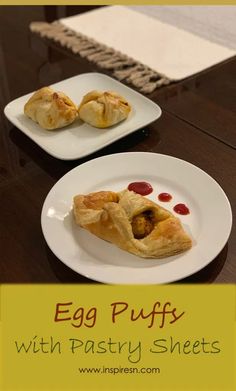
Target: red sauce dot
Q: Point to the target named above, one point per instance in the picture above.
(164, 197)
(181, 209)
(142, 188)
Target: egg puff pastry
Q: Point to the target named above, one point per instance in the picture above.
(103, 109)
(132, 222)
(50, 109)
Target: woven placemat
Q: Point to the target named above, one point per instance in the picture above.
(121, 66)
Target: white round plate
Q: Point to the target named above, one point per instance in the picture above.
(209, 222)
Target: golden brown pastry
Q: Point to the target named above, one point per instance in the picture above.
(50, 109)
(103, 109)
(132, 222)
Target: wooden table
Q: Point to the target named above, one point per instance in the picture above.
(198, 125)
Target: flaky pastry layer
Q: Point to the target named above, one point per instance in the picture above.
(131, 222)
(50, 109)
(103, 109)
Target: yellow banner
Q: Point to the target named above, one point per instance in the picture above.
(96, 337)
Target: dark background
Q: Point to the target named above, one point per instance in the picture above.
(197, 125)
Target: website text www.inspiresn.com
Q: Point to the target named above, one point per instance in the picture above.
(119, 370)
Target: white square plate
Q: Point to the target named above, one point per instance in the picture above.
(79, 139)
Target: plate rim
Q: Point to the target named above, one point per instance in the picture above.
(106, 280)
(155, 106)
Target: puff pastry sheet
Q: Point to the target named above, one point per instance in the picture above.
(110, 216)
(103, 109)
(50, 109)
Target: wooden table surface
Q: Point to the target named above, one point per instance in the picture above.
(198, 125)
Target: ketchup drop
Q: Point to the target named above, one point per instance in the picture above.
(164, 197)
(142, 188)
(181, 209)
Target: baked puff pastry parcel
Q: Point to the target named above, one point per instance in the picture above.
(132, 222)
(50, 109)
(103, 109)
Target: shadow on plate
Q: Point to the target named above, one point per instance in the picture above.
(56, 168)
(63, 273)
(206, 275)
(209, 273)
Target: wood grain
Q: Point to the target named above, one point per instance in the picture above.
(197, 125)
